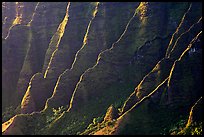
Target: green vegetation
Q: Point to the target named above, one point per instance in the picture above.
(95, 124)
(98, 90)
(8, 113)
(56, 114)
(180, 129)
(177, 127)
(194, 129)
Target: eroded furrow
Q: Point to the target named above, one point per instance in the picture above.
(177, 30)
(58, 35)
(156, 66)
(133, 94)
(99, 56)
(84, 43)
(18, 18)
(40, 34)
(189, 46)
(182, 35)
(26, 96)
(144, 98)
(54, 92)
(64, 68)
(86, 34)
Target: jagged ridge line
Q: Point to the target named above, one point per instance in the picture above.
(112, 46)
(138, 87)
(7, 124)
(29, 87)
(14, 117)
(191, 113)
(93, 67)
(60, 32)
(201, 97)
(29, 39)
(37, 112)
(78, 82)
(141, 82)
(13, 23)
(144, 98)
(123, 107)
(49, 64)
(54, 92)
(145, 78)
(170, 71)
(73, 94)
(177, 29)
(126, 27)
(99, 56)
(9, 30)
(86, 34)
(81, 77)
(84, 43)
(189, 46)
(29, 23)
(182, 35)
(154, 69)
(146, 74)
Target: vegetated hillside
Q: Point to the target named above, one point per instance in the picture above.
(101, 68)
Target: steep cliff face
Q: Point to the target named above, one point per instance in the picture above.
(61, 50)
(11, 67)
(131, 68)
(43, 26)
(14, 20)
(96, 40)
(35, 38)
(14, 13)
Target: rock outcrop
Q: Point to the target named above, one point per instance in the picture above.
(131, 68)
